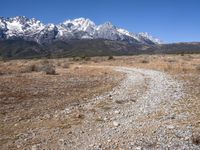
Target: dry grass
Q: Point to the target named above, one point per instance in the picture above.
(65, 65)
(103, 105)
(196, 139)
(169, 63)
(27, 93)
(99, 119)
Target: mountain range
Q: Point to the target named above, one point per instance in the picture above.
(21, 37)
(21, 27)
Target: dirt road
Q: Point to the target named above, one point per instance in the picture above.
(137, 114)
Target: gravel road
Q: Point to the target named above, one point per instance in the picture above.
(137, 114)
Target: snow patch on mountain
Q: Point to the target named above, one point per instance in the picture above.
(149, 37)
(81, 28)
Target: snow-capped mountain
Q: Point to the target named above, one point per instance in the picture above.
(81, 28)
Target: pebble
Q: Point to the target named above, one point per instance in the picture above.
(115, 123)
(91, 145)
(61, 141)
(138, 148)
(78, 115)
(170, 127)
(36, 147)
(117, 112)
(105, 119)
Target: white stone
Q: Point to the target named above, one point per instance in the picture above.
(117, 112)
(170, 127)
(138, 148)
(115, 123)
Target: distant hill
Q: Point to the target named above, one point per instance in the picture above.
(177, 48)
(19, 48)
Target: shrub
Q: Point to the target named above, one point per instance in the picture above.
(75, 59)
(58, 64)
(87, 58)
(84, 57)
(46, 67)
(196, 139)
(144, 61)
(45, 61)
(110, 57)
(49, 69)
(1, 73)
(1, 58)
(171, 60)
(28, 69)
(65, 65)
(198, 68)
(182, 54)
(33, 67)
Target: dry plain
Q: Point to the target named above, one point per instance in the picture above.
(127, 102)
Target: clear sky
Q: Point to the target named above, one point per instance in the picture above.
(169, 20)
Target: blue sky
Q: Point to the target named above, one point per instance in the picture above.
(169, 20)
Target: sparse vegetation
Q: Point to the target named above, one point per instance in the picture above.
(119, 102)
(42, 66)
(110, 57)
(198, 67)
(144, 61)
(196, 139)
(32, 94)
(103, 105)
(87, 58)
(99, 119)
(1, 73)
(66, 65)
(48, 69)
(31, 68)
(59, 63)
(45, 61)
(75, 58)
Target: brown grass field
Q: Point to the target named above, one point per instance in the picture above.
(28, 91)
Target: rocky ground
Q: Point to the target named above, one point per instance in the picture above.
(143, 108)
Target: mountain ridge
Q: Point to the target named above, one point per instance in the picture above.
(21, 49)
(31, 29)
(21, 37)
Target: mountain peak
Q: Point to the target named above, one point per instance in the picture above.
(79, 21)
(80, 24)
(80, 28)
(108, 24)
(146, 35)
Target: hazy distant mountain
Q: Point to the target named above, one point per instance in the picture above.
(21, 27)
